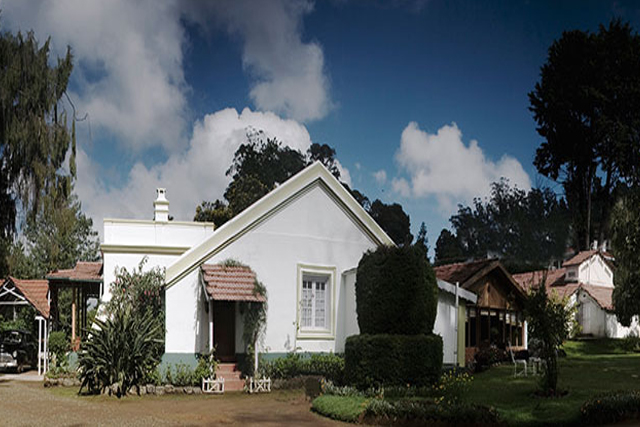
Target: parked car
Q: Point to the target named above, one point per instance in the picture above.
(17, 350)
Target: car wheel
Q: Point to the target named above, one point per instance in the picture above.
(20, 368)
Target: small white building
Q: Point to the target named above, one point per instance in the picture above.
(587, 280)
(303, 241)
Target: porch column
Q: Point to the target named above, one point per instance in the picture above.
(40, 344)
(74, 307)
(210, 326)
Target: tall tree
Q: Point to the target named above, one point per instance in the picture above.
(587, 107)
(422, 240)
(448, 249)
(34, 132)
(393, 220)
(626, 244)
(326, 155)
(525, 229)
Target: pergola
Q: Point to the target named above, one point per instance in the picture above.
(16, 294)
(85, 281)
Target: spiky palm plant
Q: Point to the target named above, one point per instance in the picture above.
(120, 351)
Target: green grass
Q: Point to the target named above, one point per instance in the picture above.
(341, 408)
(590, 368)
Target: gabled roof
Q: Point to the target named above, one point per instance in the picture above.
(468, 273)
(35, 291)
(82, 272)
(602, 295)
(313, 175)
(531, 279)
(230, 283)
(461, 272)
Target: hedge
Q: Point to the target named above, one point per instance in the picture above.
(377, 360)
(327, 365)
(611, 408)
(396, 292)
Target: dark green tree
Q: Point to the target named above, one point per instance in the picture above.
(448, 249)
(525, 229)
(34, 131)
(326, 155)
(217, 212)
(587, 108)
(626, 244)
(393, 220)
(422, 241)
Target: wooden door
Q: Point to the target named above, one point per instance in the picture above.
(224, 330)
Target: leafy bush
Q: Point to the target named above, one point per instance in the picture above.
(121, 352)
(425, 411)
(487, 355)
(207, 365)
(396, 292)
(376, 360)
(341, 408)
(611, 408)
(630, 344)
(59, 345)
(183, 376)
(328, 365)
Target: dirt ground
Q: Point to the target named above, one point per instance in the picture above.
(29, 403)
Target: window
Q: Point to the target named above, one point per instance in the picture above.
(315, 302)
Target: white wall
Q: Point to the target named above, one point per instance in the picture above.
(127, 242)
(349, 308)
(590, 316)
(445, 325)
(312, 230)
(594, 271)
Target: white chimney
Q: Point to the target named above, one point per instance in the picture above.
(161, 206)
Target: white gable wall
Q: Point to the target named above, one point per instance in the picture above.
(311, 231)
(594, 271)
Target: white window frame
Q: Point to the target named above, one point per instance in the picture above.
(312, 332)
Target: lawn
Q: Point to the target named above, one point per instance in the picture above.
(590, 368)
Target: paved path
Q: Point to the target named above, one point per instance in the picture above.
(29, 403)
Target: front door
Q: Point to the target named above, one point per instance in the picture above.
(224, 330)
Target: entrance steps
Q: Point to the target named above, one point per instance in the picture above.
(231, 375)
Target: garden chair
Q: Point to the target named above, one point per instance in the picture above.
(517, 363)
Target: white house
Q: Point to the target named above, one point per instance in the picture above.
(451, 319)
(303, 241)
(587, 279)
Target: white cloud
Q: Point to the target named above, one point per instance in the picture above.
(288, 74)
(190, 177)
(380, 176)
(441, 165)
(128, 62)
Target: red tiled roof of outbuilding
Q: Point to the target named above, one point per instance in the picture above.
(35, 291)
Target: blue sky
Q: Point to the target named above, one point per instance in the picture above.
(424, 101)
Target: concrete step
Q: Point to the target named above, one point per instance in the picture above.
(233, 385)
(227, 367)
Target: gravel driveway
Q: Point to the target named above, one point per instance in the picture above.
(29, 403)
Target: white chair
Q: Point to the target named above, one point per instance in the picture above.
(516, 363)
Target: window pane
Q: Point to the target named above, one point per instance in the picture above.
(320, 304)
(306, 304)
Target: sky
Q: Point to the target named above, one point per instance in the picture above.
(425, 102)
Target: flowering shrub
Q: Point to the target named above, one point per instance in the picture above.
(452, 387)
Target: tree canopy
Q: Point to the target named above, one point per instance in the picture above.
(34, 131)
(587, 108)
(626, 244)
(526, 229)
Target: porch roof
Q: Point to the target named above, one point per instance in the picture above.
(35, 291)
(82, 272)
(230, 283)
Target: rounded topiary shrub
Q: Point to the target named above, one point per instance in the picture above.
(396, 292)
(375, 360)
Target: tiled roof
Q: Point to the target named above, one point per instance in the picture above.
(83, 271)
(35, 291)
(462, 271)
(230, 283)
(532, 279)
(602, 295)
(579, 258)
